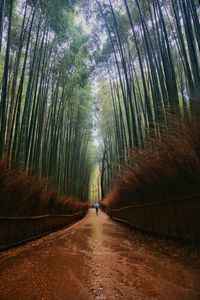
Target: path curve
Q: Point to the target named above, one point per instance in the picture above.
(95, 259)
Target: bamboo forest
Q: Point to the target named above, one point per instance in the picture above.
(99, 109)
(145, 57)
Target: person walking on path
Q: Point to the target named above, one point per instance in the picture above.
(97, 206)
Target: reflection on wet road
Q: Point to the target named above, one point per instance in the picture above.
(95, 259)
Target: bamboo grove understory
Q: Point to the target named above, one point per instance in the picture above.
(147, 60)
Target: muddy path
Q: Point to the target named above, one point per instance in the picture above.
(96, 259)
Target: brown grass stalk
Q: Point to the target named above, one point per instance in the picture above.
(24, 195)
(167, 170)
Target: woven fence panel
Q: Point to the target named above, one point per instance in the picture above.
(20, 229)
(178, 218)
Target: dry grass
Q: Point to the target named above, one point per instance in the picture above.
(168, 170)
(23, 195)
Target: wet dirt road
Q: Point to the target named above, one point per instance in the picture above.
(95, 259)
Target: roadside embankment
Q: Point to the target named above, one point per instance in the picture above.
(158, 189)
